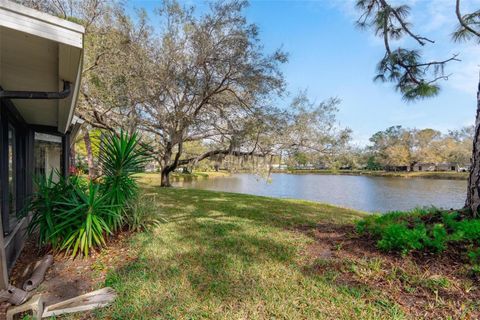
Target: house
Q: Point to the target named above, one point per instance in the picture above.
(40, 69)
(396, 168)
(463, 167)
(152, 166)
(442, 166)
(424, 166)
(279, 167)
(447, 166)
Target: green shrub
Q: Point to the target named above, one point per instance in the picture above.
(45, 209)
(437, 238)
(143, 215)
(120, 157)
(84, 220)
(420, 229)
(76, 214)
(474, 256)
(397, 237)
(467, 230)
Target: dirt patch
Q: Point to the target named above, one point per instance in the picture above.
(68, 278)
(425, 286)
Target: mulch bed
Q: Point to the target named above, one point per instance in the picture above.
(67, 277)
(426, 286)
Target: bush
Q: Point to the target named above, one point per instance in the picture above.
(397, 237)
(143, 215)
(422, 230)
(76, 214)
(45, 208)
(68, 214)
(120, 157)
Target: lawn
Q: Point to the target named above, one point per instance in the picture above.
(232, 256)
(222, 255)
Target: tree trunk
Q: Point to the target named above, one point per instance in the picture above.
(473, 192)
(165, 168)
(73, 167)
(165, 178)
(88, 146)
(99, 171)
(167, 165)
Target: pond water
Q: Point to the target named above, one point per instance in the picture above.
(374, 194)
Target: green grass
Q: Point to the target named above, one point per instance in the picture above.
(233, 256)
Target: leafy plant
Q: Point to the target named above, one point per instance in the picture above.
(44, 209)
(421, 229)
(85, 216)
(120, 157)
(397, 237)
(76, 214)
(143, 215)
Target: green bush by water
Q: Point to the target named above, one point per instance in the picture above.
(430, 230)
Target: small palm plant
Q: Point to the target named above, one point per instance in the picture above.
(85, 215)
(44, 208)
(76, 215)
(120, 157)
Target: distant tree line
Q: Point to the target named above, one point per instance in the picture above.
(394, 148)
(397, 147)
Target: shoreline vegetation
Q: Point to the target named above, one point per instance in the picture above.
(397, 174)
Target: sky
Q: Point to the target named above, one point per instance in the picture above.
(330, 57)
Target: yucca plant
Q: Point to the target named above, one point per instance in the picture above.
(121, 156)
(85, 214)
(44, 209)
(143, 215)
(75, 214)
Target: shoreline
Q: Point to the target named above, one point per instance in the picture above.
(422, 174)
(154, 177)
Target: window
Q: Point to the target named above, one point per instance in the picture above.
(12, 181)
(47, 154)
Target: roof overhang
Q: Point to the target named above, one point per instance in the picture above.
(38, 52)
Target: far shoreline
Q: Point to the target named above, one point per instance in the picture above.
(448, 175)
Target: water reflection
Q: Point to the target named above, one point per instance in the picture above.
(375, 194)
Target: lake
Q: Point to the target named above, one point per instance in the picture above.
(374, 194)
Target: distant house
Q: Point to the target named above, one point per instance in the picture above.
(152, 166)
(463, 167)
(276, 166)
(304, 167)
(447, 166)
(424, 166)
(442, 166)
(396, 168)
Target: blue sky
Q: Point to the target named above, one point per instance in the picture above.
(330, 57)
